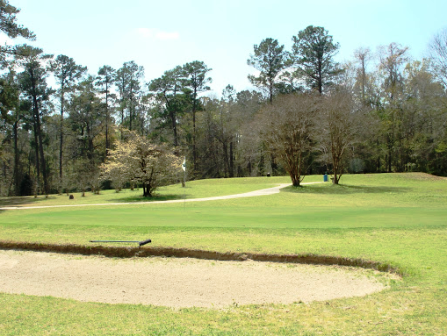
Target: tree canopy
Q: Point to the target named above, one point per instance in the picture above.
(8, 23)
(140, 161)
(377, 112)
(269, 58)
(313, 51)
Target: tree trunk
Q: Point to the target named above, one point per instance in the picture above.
(146, 190)
(90, 147)
(335, 179)
(122, 122)
(16, 161)
(130, 107)
(231, 160)
(390, 148)
(363, 81)
(61, 140)
(194, 154)
(107, 121)
(174, 127)
(274, 165)
(226, 160)
(320, 79)
(39, 133)
(295, 180)
(42, 156)
(336, 174)
(336, 166)
(36, 149)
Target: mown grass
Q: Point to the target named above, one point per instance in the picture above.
(194, 189)
(399, 219)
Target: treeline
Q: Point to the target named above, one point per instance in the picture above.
(55, 139)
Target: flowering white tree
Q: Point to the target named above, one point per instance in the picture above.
(140, 161)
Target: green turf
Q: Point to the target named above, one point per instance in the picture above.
(194, 189)
(400, 219)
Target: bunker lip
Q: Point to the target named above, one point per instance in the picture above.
(142, 252)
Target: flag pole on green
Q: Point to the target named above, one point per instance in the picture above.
(184, 172)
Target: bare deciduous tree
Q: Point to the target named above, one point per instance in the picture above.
(362, 57)
(438, 55)
(341, 123)
(287, 127)
(392, 59)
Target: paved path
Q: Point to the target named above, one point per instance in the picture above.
(262, 192)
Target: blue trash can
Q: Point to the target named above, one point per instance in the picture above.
(325, 179)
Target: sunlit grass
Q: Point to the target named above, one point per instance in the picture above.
(193, 189)
(399, 219)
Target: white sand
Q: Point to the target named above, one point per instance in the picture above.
(177, 282)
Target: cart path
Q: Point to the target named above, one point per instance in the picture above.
(261, 192)
(178, 283)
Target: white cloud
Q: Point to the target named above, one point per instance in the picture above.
(157, 34)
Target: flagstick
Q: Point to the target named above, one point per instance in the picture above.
(184, 182)
(184, 172)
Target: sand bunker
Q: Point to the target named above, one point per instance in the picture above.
(175, 282)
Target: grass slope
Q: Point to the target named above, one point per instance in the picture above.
(391, 218)
(195, 189)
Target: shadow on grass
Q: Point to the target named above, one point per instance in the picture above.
(141, 198)
(340, 189)
(22, 200)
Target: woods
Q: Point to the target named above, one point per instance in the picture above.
(378, 112)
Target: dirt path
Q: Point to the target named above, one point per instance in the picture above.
(262, 192)
(177, 282)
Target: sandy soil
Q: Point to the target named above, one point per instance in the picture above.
(177, 282)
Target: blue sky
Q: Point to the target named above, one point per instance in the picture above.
(160, 35)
